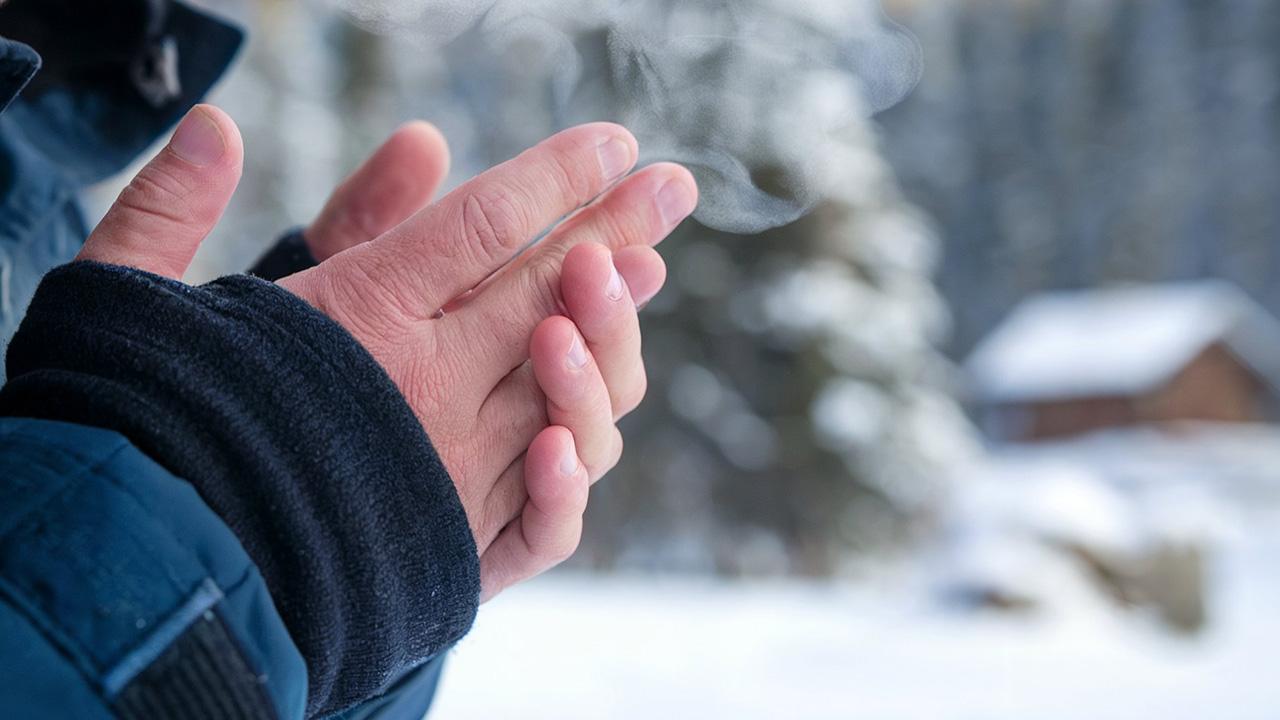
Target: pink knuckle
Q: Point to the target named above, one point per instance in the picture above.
(617, 229)
(492, 225)
(574, 172)
(542, 284)
(156, 194)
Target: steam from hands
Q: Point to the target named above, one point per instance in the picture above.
(751, 95)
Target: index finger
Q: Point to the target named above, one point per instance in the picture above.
(452, 246)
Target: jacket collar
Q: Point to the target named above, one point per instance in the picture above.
(92, 129)
(18, 63)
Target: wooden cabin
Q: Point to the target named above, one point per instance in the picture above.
(1069, 363)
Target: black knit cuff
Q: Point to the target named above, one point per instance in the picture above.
(289, 255)
(291, 432)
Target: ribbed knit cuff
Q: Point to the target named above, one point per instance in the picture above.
(291, 432)
(289, 255)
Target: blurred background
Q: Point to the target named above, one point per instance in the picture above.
(962, 409)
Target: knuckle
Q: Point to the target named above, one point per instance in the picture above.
(491, 225)
(542, 283)
(616, 228)
(574, 181)
(157, 194)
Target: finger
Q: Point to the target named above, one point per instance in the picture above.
(550, 526)
(480, 226)
(169, 207)
(644, 271)
(600, 304)
(577, 397)
(519, 400)
(566, 375)
(397, 180)
(507, 309)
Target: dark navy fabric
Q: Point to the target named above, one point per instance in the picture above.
(291, 432)
(99, 548)
(288, 256)
(106, 551)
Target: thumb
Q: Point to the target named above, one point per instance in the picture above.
(397, 181)
(158, 221)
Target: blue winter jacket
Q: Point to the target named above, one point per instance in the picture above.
(213, 502)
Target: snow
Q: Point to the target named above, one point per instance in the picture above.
(887, 645)
(1117, 342)
(571, 647)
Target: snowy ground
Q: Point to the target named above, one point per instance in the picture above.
(580, 646)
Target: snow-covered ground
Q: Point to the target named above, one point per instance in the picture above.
(584, 646)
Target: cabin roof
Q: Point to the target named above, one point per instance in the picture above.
(1122, 341)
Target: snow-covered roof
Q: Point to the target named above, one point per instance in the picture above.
(1119, 342)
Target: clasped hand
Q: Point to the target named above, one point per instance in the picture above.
(518, 363)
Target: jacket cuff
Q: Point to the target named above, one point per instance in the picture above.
(291, 432)
(289, 255)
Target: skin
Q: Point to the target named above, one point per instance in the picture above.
(517, 363)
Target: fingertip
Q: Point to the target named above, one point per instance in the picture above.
(556, 478)
(424, 142)
(585, 270)
(234, 154)
(554, 450)
(596, 290)
(644, 271)
(552, 336)
(675, 172)
(616, 148)
(677, 195)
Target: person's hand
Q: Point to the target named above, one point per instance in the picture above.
(464, 370)
(464, 373)
(399, 179)
(592, 375)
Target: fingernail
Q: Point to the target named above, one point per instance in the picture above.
(615, 157)
(569, 461)
(614, 288)
(197, 140)
(577, 353)
(675, 202)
